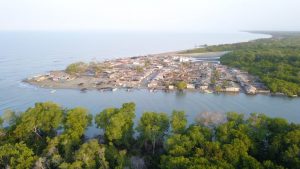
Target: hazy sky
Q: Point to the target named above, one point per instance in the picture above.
(150, 15)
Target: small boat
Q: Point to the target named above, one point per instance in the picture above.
(53, 91)
(114, 89)
(83, 89)
(208, 91)
(152, 90)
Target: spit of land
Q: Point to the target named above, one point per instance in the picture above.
(166, 71)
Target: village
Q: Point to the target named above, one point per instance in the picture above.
(153, 72)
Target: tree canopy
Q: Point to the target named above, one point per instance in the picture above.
(117, 123)
(153, 127)
(78, 67)
(55, 138)
(181, 85)
(178, 121)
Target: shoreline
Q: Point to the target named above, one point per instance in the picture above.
(54, 89)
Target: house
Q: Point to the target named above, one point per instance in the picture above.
(203, 87)
(39, 78)
(232, 89)
(152, 84)
(250, 89)
(190, 86)
(60, 75)
(171, 87)
(184, 59)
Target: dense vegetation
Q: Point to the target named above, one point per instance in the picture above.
(49, 136)
(276, 60)
(81, 68)
(78, 67)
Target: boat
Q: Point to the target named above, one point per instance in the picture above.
(83, 89)
(208, 91)
(52, 91)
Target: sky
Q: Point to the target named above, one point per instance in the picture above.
(150, 15)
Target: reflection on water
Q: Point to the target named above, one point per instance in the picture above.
(180, 94)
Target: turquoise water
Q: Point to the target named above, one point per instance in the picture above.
(24, 54)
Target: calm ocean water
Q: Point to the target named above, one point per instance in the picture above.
(24, 54)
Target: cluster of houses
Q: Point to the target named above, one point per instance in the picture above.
(162, 72)
(250, 84)
(57, 76)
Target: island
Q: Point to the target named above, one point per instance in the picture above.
(168, 71)
(269, 65)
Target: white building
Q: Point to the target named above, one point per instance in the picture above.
(232, 89)
(250, 89)
(171, 87)
(203, 87)
(184, 59)
(190, 86)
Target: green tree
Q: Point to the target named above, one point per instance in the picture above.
(38, 123)
(17, 156)
(249, 162)
(270, 165)
(2, 132)
(75, 68)
(218, 89)
(169, 162)
(235, 117)
(51, 156)
(44, 118)
(139, 69)
(117, 123)
(215, 77)
(76, 122)
(75, 165)
(153, 127)
(286, 147)
(10, 117)
(179, 145)
(178, 121)
(147, 63)
(181, 85)
(259, 134)
(97, 68)
(91, 155)
(117, 158)
(1, 122)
